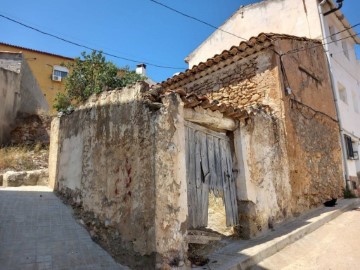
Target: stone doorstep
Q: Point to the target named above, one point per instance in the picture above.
(243, 254)
(25, 178)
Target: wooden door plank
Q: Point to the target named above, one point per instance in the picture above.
(204, 204)
(226, 178)
(191, 178)
(198, 158)
(218, 189)
(232, 188)
(204, 158)
(211, 160)
(221, 135)
(199, 179)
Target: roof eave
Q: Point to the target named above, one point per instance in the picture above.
(36, 51)
(344, 21)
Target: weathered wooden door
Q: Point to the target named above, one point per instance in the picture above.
(209, 168)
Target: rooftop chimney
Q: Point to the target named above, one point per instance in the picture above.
(141, 69)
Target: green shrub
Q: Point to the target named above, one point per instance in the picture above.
(92, 74)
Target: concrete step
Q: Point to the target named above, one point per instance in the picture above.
(243, 254)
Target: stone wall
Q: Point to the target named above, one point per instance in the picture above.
(288, 157)
(247, 82)
(124, 162)
(264, 189)
(260, 157)
(312, 129)
(25, 178)
(171, 209)
(31, 129)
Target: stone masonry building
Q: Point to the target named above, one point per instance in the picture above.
(255, 125)
(316, 19)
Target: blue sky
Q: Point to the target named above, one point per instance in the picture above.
(137, 29)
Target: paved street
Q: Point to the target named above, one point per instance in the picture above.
(335, 246)
(37, 231)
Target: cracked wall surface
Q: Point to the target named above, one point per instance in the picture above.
(288, 157)
(123, 161)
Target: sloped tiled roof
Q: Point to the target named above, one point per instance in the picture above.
(192, 100)
(235, 53)
(32, 50)
(218, 61)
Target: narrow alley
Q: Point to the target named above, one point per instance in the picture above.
(37, 231)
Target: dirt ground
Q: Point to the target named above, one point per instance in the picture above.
(24, 157)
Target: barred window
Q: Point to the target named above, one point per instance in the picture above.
(349, 147)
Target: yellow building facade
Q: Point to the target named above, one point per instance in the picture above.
(46, 68)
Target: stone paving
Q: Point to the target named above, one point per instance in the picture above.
(245, 254)
(37, 231)
(333, 246)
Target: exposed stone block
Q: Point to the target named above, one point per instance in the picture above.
(26, 178)
(14, 179)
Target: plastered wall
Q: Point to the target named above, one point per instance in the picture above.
(125, 163)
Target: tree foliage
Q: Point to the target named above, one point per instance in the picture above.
(92, 74)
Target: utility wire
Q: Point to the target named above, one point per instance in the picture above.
(196, 19)
(348, 28)
(84, 46)
(322, 44)
(315, 46)
(217, 28)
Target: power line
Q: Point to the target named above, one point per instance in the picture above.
(196, 19)
(84, 46)
(217, 28)
(322, 44)
(355, 25)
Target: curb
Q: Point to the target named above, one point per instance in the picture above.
(243, 255)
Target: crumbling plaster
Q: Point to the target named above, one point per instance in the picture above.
(132, 152)
(260, 156)
(125, 163)
(312, 129)
(171, 186)
(285, 163)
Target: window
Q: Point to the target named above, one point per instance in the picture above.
(59, 72)
(349, 147)
(333, 34)
(345, 49)
(342, 93)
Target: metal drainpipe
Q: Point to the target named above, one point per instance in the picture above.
(342, 139)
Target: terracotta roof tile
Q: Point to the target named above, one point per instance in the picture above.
(192, 100)
(244, 49)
